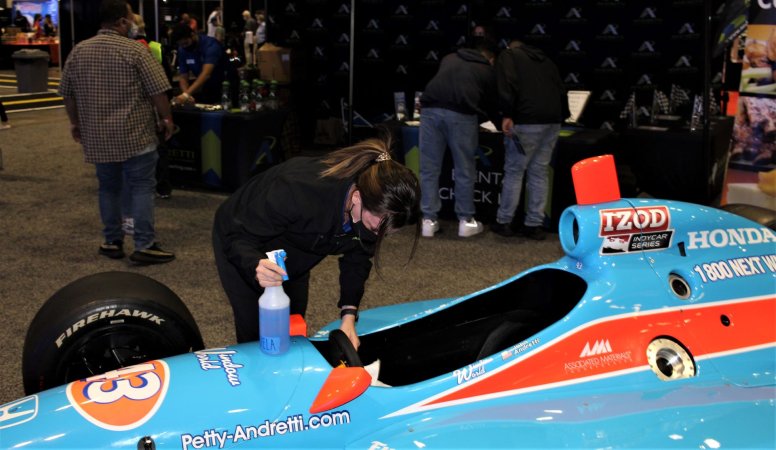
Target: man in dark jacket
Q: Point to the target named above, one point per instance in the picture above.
(533, 102)
(453, 104)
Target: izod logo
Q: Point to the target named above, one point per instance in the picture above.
(634, 220)
(122, 399)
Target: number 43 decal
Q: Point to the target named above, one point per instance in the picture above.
(122, 399)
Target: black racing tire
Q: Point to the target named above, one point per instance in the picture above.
(102, 322)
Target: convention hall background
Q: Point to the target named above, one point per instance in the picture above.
(49, 223)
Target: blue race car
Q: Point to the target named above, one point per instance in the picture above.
(657, 329)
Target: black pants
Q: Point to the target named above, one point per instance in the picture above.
(3, 115)
(244, 294)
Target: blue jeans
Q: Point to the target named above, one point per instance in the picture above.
(439, 129)
(529, 149)
(139, 172)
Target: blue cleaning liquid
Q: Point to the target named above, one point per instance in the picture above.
(274, 310)
(274, 327)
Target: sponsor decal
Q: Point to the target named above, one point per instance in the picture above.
(343, 10)
(401, 69)
(608, 360)
(608, 66)
(290, 9)
(608, 96)
(610, 32)
(573, 80)
(431, 56)
(729, 237)
(220, 359)
(294, 36)
(344, 39)
(116, 315)
(647, 49)
(539, 370)
(683, 65)
(18, 412)
(686, 31)
(746, 266)
(644, 82)
(599, 348)
(519, 348)
(469, 373)
(573, 48)
(373, 24)
(539, 31)
(635, 229)
(121, 399)
(248, 433)
(648, 16)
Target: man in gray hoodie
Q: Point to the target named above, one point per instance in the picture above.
(533, 102)
(453, 105)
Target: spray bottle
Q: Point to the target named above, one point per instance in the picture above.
(274, 313)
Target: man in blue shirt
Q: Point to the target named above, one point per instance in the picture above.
(203, 57)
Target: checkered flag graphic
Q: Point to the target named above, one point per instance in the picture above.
(662, 101)
(678, 97)
(630, 106)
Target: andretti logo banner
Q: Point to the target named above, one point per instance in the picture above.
(626, 230)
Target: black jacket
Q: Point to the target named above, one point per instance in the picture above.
(530, 90)
(290, 206)
(464, 83)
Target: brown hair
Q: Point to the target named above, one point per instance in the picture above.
(387, 187)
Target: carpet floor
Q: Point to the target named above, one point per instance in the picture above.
(50, 231)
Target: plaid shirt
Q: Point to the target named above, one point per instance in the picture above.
(112, 79)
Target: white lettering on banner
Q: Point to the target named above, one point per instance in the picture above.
(765, 4)
(746, 266)
(484, 177)
(479, 196)
(244, 433)
(729, 237)
(113, 312)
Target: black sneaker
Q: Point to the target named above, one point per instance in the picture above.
(152, 255)
(113, 250)
(535, 233)
(502, 229)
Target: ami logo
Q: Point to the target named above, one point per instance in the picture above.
(121, 399)
(601, 347)
(634, 220)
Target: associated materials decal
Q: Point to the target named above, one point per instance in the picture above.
(122, 399)
(626, 230)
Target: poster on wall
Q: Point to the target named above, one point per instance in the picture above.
(751, 177)
(29, 8)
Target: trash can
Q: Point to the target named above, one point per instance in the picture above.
(31, 70)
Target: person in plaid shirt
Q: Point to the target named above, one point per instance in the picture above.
(115, 97)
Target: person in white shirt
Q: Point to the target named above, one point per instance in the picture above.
(214, 21)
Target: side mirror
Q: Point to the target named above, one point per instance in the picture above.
(343, 385)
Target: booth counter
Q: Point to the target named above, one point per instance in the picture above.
(573, 145)
(221, 150)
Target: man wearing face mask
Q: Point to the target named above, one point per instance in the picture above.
(115, 97)
(342, 204)
(203, 57)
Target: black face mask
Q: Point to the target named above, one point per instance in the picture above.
(363, 233)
